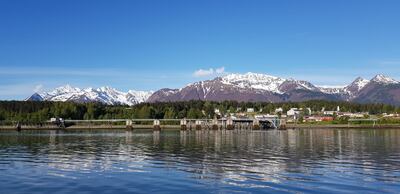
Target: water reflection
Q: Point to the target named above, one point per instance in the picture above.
(293, 160)
(156, 137)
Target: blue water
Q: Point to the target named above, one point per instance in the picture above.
(293, 161)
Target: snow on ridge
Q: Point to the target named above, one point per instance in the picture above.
(106, 94)
(141, 96)
(332, 89)
(265, 82)
(357, 85)
(354, 87)
(255, 81)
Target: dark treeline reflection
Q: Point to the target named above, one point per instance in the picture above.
(237, 155)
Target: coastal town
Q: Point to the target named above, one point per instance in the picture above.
(309, 116)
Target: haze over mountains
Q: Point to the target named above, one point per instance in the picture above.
(239, 87)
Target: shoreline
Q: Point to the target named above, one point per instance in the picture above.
(343, 126)
(178, 127)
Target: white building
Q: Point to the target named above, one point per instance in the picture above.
(293, 112)
(331, 113)
(266, 116)
(308, 111)
(354, 115)
(279, 110)
(250, 110)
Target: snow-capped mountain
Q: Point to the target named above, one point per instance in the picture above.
(356, 86)
(106, 95)
(261, 87)
(384, 79)
(239, 87)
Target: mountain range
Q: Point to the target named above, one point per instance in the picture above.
(239, 87)
(106, 95)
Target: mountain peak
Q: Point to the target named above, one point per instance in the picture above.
(248, 75)
(35, 97)
(356, 86)
(384, 79)
(359, 82)
(359, 79)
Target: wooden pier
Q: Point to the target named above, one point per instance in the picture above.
(185, 124)
(156, 124)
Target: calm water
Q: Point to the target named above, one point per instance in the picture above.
(294, 161)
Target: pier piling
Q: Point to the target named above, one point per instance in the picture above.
(198, 125)
(156, 125)
(183, 124)
(18, 126)
(256, 124)
(282, 124)
(215, 124)
(229, 124)
(129, 125)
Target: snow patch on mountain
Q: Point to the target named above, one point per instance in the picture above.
(139, 96)
(255, 81)
(303, 85)
(332, 89)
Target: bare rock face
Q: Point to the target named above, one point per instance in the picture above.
(375, 92)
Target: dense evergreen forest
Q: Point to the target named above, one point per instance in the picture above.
(41, 111)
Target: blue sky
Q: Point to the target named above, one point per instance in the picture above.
(147, 45)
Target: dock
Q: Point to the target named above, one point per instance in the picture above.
(154, 124)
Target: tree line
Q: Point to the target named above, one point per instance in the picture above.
(41, 111)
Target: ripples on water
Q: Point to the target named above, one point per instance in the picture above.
(295, 161)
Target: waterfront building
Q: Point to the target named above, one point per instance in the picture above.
(250, 110)
(293, 112)
(278, 110)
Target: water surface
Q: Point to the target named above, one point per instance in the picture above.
(293, 161)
